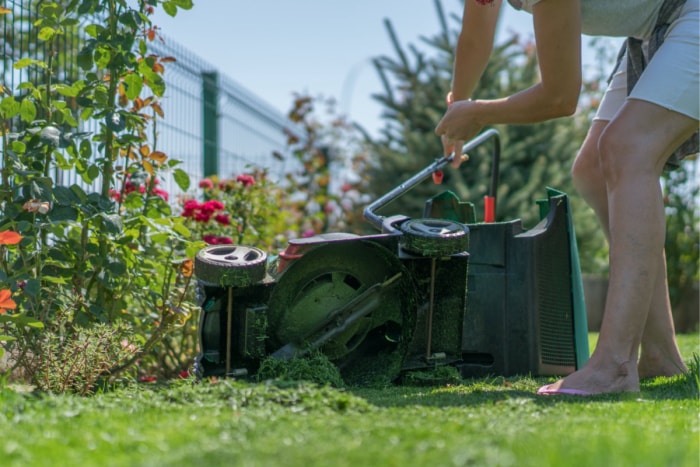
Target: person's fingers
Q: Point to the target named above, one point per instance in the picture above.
(447, 146)
(440, 128)
(457, 160)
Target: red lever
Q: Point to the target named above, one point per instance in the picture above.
(489, 208)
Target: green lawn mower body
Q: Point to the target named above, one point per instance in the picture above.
(488, 298)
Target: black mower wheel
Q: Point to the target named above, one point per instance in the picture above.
(434, 237)
(230, 265)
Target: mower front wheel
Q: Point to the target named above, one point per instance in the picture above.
(434, 237)
(230, 265)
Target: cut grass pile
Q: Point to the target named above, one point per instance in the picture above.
(495, 422)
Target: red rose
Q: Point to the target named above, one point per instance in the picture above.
(246, 180)
(222, 219)
(213, 205)
(211, 239)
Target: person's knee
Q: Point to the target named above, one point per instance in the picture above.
(620, 154)
(586, 170)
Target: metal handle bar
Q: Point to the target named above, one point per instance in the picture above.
(439, 163)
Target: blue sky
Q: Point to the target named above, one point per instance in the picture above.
(277, 47)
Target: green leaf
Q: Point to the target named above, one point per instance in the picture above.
(182, 230)
(32, 323)
(27, 111)
(46, 33)
(79, 193)
(25, 62)
(130, 19)
(152, 79)
(112, 222)
(193, 248)
(102, 203)
(22, 320)
(51, 10)
(41, 188)
(117, 269)
(170, 8)
(69, 22)
(65, 90)
(19, 147)
(63, 214)
(68, 118)
(102, 56)
(184, 4)
(134, 84)
(55, 280)
(6, 339)
(9, 107)
(94, 30)
(93, 172)
(182, 179)
(64, 196)
(86, 113)
(33, 287)
(160, 237)
(133, 200)
(85, 57)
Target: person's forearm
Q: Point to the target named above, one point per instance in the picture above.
(470, 62)
(535, 104)
(474, 47)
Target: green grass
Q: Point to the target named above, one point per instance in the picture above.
(491, 422)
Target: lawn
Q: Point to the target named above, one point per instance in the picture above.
(491, 422)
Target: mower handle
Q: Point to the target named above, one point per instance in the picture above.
(378, 221)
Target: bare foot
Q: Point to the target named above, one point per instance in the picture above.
(651, 366)
(601, 377)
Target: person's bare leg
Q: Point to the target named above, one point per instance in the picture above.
(631, 168)
(587, 175)
(659, 351)
(660, 355)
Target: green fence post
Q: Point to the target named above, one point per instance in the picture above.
(210, 123)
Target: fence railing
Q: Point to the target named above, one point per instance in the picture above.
(212, 124)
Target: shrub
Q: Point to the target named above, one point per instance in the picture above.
(97, 253)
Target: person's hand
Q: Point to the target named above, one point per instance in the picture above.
(450, 146)
(457, 126)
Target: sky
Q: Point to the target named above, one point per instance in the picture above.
(275, 48)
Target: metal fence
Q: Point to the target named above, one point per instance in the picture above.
(212, 124)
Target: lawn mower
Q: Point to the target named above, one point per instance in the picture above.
(487, 298)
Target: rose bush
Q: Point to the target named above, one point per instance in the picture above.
(92, 260)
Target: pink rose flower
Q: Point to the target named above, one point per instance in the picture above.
(246, 180)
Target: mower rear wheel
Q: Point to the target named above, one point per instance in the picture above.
(313, 294)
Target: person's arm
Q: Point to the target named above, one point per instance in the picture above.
(474, 46)
(557, 26)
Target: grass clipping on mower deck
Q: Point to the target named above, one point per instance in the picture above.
(314, 367)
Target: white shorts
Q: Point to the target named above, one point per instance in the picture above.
(672, 77)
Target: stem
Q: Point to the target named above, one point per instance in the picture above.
(5, 165)
(108, 169)
(103, 295)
